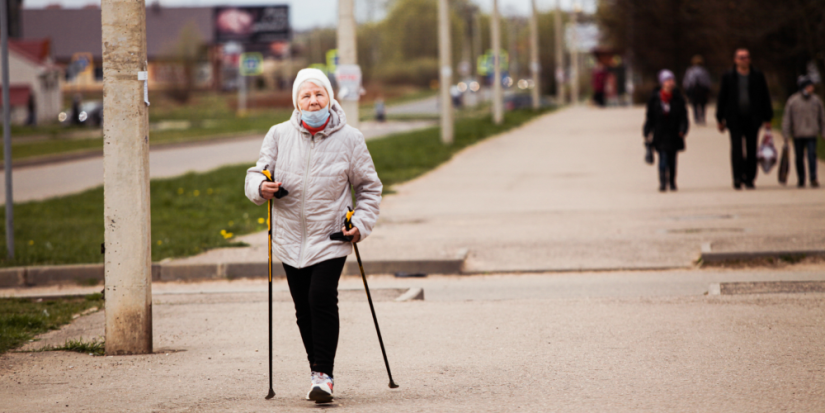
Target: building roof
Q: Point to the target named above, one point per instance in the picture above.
(79, 30)
(18, 95)
(35, 50)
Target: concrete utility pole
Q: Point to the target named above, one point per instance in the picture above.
(445, 72)
(559, 55)
(498, 100)
(535, 66)
(7, 167)
(348, 52)
(128, 248)
(574, 56)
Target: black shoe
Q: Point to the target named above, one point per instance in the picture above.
(800, 184)
(673, 186)
(737, 185)
(662, 188)
(750, 185)
(814, 183)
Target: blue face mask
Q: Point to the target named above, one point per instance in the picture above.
(315, 119)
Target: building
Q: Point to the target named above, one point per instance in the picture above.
(182, 44)
(34, 82)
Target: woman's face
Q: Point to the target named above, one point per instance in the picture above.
(312, 97)
(668, 85)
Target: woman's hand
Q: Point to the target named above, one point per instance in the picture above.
(354, 233)
(268, 189)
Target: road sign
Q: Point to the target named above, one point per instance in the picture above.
(332, 60)
(348, 78)
(252, 64)
(485, 63)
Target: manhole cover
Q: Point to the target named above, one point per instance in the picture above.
(704, 230)
(702, 217)
(772, 287)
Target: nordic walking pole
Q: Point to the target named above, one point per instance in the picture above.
(269, 248)
(348, 225)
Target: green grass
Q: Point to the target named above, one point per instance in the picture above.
(22, 319)
(93, 347)
(196, 212)
(210, 116)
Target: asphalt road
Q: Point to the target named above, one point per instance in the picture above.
(64, 178)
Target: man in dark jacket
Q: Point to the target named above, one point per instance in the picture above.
(666, 124)
(744, 105)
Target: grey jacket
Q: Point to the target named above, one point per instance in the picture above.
(804, 117)
(317, 171)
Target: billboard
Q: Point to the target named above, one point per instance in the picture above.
(254, 25)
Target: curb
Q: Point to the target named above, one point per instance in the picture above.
(92, 274)
(721, 257)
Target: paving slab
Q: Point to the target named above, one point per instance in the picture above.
(570, 191)
(487, 344)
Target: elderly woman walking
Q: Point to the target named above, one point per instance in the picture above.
(665, 127)
(316, 157)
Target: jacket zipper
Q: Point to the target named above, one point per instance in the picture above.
(303, 204)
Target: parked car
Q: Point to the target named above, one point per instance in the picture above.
(88, 113)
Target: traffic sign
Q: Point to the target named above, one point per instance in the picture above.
(252, 64)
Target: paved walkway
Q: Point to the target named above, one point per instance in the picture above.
(64, 178)
(570, 191)
(592, 342)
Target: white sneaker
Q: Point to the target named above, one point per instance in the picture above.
(311, 383)
(321, 390)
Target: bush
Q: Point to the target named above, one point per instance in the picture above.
(419, 72)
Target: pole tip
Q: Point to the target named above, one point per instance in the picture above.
(393, 385)
(270, 395)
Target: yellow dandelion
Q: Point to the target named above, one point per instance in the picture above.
(223, 232)
(31, 242)
(160, 242)
(261, 220)
(180, 191)
(196, 192)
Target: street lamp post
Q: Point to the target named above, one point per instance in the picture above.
(445, 71)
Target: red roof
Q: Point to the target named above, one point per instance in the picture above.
(18, 94)
(35, 50)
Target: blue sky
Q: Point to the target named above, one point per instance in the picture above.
(306, 14)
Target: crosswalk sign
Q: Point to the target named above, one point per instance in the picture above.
(251, 64)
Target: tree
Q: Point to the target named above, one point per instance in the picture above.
(783, 36)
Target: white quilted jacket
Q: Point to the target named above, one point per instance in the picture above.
(317, 171)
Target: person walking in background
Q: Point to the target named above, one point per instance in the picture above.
(599, 82)
(804, 119)
(666, 125)
(744, 105)
(697, 88)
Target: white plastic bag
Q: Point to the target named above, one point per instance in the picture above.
(767, 155)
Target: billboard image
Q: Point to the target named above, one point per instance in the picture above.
(252, 25)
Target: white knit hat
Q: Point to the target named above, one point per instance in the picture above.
(665, 75)
(315, 76)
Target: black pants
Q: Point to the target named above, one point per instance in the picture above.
(744, 167)
(314, 290)
(667, 168)
(699, 112)
(801, 145)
